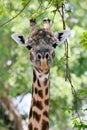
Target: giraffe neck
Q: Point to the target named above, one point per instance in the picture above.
(39, 112)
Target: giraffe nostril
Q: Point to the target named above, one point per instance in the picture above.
(39, 56)
(47, 55)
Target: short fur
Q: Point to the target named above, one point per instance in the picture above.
(41, 44)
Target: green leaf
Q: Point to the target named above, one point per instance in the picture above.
(83, 40)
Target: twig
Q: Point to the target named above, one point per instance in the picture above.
(44, 9)
(3, 24)
(20, 99)
(32, 14)
(68, 75)
(54, 15)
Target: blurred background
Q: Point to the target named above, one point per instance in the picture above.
(67, 111)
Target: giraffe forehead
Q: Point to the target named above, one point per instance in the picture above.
(42, 33)
(42, 50)
(41, 37)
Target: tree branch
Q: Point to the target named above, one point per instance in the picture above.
(3, 24)
(7, 102)
(68, 75)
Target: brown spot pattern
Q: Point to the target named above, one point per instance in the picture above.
(34, 76)
(47, 72)
(38, 82)
(30, 126)
(40, 93)
(45, 125)
(46, 102)
(36, 116)
(30, 114)
(38, 104)
(46, 91)
(36, 90)
(35, 128)
(45, 81)
(37, 70)
(45, 113)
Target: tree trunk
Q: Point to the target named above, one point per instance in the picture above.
(12, 110)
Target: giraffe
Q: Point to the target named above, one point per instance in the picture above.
(41, 43)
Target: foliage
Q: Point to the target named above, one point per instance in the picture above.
(83, 41)
(16, 68)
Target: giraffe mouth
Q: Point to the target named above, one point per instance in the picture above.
(43, 65)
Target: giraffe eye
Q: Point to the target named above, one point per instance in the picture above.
(39, 56)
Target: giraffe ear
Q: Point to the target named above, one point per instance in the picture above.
(62, 35)
(20, 39)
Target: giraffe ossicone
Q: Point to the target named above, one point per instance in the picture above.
(41, 43)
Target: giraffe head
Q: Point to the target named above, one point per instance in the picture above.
(41, 43)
